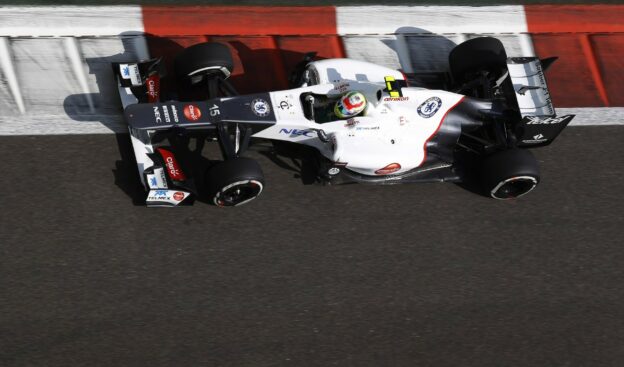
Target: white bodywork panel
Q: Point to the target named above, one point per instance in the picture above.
(390, 130)
(337, 70)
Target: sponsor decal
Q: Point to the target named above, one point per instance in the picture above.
(131, 71)
(153, 88)
(351, 122)
(173, 168)
(158, 195)
(396, 99)
(157, 115)
(534, 120)
(294, 133)
(166, 196)
(157, 179)
(192, 112)
(166, 114)
(284, 105)
(429, 107)
(539, 138)
(152, 181)
(392, 167)
(160, 173)
(342, 87)
(260, 107)
(124, 70)
(174, 112)
(403, 120)
(367, 128)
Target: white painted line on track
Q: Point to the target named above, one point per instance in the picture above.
(430, 19)
(39, 21)
(594, 116)
(8, 70)
(62, 125)
(73, 53)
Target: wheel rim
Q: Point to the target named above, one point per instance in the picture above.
(514, 187)
(238, 193)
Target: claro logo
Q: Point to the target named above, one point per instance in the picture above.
(173, 168)
(153, 87)
(192, 112)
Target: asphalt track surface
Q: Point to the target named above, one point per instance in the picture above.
(405, 275)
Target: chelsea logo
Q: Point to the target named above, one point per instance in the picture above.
(260, 107)
(429, 107)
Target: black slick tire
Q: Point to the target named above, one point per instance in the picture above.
(483, 53)
(509, 174)
(195, 62)
(234, 182)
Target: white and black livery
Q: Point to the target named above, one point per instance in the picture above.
(477, 125)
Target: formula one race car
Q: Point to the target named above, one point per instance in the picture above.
(363, 121)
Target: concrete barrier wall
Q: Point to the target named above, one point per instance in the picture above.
(56, 78)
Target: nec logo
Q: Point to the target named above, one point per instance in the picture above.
(296, 132)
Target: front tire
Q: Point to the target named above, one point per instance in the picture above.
(234, 182)
(509, 174)
(200, 60)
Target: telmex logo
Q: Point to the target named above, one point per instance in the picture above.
(192, 112)
(297, 132)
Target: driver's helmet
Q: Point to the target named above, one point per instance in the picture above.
(350, 104)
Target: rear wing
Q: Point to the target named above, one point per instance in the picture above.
(539, 124)
(249, 109)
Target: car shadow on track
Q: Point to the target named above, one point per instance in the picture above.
(301, 160)
(104, 106)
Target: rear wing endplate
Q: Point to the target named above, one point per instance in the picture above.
(529, 83)
(533, 131)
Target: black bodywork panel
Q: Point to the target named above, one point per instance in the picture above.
(248, 109)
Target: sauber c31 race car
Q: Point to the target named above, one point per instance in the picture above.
(478, 125)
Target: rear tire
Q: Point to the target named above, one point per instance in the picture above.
(483, 53)
(509, 174)
(202, 59)
(234, 182)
